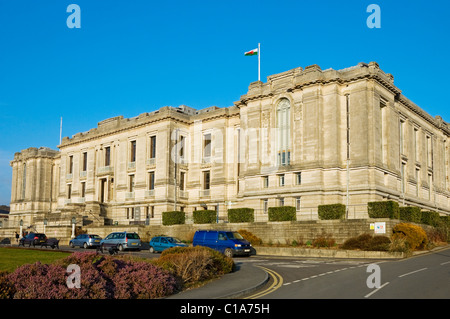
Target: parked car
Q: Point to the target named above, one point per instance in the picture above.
(33, 239)
(85, 241)
(121, 241)
(227, 242)
(160, 243)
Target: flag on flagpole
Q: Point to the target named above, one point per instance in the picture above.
(251, 52)
(258, 53)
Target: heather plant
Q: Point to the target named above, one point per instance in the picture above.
(143, 280)
(7, 288)
(39, 281)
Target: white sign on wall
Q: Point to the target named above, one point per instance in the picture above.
(380, 228)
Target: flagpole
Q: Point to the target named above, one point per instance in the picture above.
(259, 62)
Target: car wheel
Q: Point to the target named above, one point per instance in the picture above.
(228, 252)
(152, 250)
(120, 247)
(85, 246)
(72, 245)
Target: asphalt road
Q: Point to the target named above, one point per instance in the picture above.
(425, 276)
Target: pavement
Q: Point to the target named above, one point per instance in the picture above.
(244, 280)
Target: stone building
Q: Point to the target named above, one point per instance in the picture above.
(305, 137)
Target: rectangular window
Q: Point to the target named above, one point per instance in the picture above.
(297, 204)
(107, 156)
(69, 191)
(153, 146)
(131, 183)
(298, 178)
(402, 134)
(133, 151)
(429, 152)
(265, 203)
(182, 180)
(281, 180)
(83, 189)
(84, 162)
(206, 180)
(70, 164)
(182, 142)
(265, 181)
(281, 202)
(416, 144)
(207, 145)
(151, 180)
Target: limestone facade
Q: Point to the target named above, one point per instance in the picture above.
(305, 137)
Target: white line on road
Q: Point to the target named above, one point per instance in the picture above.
(448, 262)
(370, 294)
(412, 272)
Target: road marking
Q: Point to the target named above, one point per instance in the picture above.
(412, 272)
(370, 294)
(277, 283)
(448, 262)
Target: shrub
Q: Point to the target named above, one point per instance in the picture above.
(367, 242)
(333, 211)
(283, 213)
(173, 218)
(241, 215)
(254, 240)
(430, 218)
(7, 288)
(323, 241)
(411, 214)
(143, 280)
(385, 209)
(204, 216)
(193, 264)
(414, 235)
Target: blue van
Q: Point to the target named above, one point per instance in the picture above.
(227, 242)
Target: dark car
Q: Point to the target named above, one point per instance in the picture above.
(160, 243)
(33, 239)
(85, 241)
(229, 243)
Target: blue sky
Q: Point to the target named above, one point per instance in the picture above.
(131, 57)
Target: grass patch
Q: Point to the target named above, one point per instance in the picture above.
(11, 258)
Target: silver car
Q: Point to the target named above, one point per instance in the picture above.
(85, 241)
(121, 241)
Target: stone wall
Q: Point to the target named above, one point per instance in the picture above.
(274, 232)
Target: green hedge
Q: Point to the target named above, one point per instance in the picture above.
(385, 209)
(241, 215)
(173, 218)
(332, 211)
(204, 216)
(283, 213)
(431, 218)
(411, 214)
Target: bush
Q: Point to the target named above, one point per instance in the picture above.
(254, 240)
(283, 213)
(333, 211)
(7, 288)
(385, 209)
(323, 241)
(102, 277)
(414, 235)
(241, 215)
(194, 264)
(367, 242)
(173, 218)
(204, 216)
(431, 218)
(411, 214)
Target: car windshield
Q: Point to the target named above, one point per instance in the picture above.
(94, 236)
(173, 240)
(132, 236)
(234, 235)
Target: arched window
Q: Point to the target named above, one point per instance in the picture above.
(283, 124)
